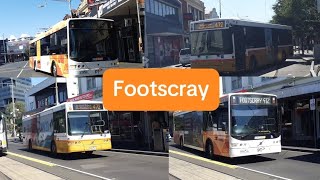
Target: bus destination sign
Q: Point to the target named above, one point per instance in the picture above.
(209, 25)
(87, 107)
(257, 100)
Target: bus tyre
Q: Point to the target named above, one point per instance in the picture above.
(29, 145)
(284, 56)
(209, 150)
(53, 149)
(35, 66)
(89, 153)
(54, 70)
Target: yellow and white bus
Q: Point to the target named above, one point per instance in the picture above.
(69, 127)
(244, 124)
(75, 47)
(3, 135)
(231, 45)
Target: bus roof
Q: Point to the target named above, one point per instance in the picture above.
(62, 104)
(243, 22)
(60, 25)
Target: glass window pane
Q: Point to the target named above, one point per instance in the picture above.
(147, 6)
(156, 6)
(152, 6)
(160, 9)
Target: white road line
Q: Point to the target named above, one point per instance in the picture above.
(117, 152)
(89, 174)
(22, 69)
(260, 172)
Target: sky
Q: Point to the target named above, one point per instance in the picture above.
(257, 10)
(19, 17)
(37, 80)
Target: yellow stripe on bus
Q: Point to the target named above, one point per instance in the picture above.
(204, 159)
(32, 159)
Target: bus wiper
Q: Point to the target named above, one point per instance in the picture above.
(85, 128)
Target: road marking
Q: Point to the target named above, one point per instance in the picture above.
(57, 165)
(256, 171)
(32, 159)
(118, 152)
(22, 69)
(204, 159)
(89, 174)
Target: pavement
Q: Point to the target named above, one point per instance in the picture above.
(15, 170)
(187, 171)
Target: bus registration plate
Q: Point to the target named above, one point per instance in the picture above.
(92, 148)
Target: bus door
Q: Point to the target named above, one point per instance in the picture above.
(197, 129)
(38, 54)
(223, 130)
(269, 46)
(240, 48)
(275, 44)
(188, 129)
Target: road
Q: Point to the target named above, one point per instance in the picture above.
(22, 69)
(292, 67)
(287, 165)
(100, 165)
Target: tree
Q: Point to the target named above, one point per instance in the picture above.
(19, 110)
(302, 15)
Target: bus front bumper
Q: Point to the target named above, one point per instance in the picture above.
(238, 152)
(80, 146)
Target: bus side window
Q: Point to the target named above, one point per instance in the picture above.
(59, 121)
(212, 121)
(223, 120)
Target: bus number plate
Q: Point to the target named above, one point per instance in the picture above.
(92, 148)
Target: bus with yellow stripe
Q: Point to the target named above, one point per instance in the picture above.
(75, 47)
(234, 45)
(67, 128)
(244, 124)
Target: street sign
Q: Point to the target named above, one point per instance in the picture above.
(312, 104)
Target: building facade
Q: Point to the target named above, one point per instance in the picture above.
(164, 32)
(212, 14)
(19, 89)
(298, 101)
(18, 49)
(3, 51)
(193, 10)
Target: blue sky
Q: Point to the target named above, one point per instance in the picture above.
(37, 80)
(258, 10)
(25, 17)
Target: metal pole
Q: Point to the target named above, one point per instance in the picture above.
(148, 128)
(220, 7)
(56, 88)
(13, 109)
(315, 126)
(139, 29)
(4, 49)
(70, 8)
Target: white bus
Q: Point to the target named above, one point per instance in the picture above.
(3, 135)
(69, 127)
(76, 47)
(233, 45)
(244, 124)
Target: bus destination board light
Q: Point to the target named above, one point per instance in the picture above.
(256, 100)
(87, 107)
(210, 25)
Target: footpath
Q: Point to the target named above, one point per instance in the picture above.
(14, 170)
(187, 171)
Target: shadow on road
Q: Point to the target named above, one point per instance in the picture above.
(233, 161)
(310, 158)
(71, 156)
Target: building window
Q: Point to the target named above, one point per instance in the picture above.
(147, 6)
(152, 6)
(156, 6)
(236, 83)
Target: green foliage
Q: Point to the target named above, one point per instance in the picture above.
(19, 110)
(302, 15)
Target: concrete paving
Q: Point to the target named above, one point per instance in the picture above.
(16, 171)
(185, 170)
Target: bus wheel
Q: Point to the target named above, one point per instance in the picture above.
(54, 70)
(30, 146)
(209, 150)
(54, 149)
(181, 142)
(284, 56)
(89, 153)
(35, 66)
